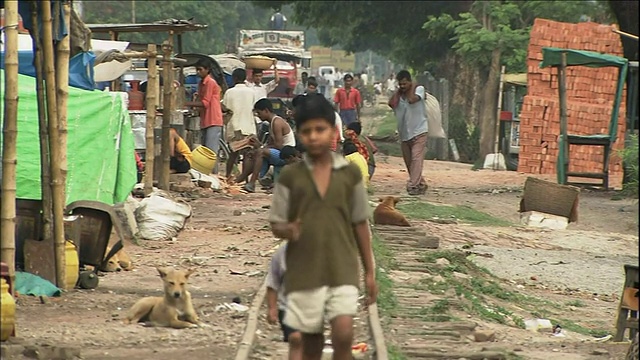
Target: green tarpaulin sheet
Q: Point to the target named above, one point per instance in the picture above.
(100, 148)
(552, 57)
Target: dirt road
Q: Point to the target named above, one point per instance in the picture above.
(581, 265)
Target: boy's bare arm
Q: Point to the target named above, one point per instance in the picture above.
(364, 246)
(288, 231)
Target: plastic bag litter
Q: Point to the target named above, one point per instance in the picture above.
(233, 307)
(159, 217)
(197, 175)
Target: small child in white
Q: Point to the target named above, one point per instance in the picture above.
(277, 302)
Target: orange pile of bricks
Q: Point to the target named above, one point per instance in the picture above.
(590, 97)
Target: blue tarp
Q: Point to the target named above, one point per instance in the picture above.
(80, 68)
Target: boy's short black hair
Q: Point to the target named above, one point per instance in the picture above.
(313, 106)
(257, 71)
(203, 64)
(356, 126)
(349, 148)
(347, 77)
(288, 152)
(403, 75)
(296, 100)
(263, 104)
(312, 82)
(239, 74)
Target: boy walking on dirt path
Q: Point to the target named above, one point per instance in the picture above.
(407, 104)
(277, 302)
(321, 206)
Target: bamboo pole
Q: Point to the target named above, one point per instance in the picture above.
(45, 167)
(57, 183)
(63, 53)
(10, 134)
(167, 68)
(152, 101)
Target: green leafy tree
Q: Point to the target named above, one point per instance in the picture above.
(224, 19)
(496, 33)
(391, 28)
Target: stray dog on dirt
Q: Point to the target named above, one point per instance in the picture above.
(173, 310)
(118, 262)
(387, 214)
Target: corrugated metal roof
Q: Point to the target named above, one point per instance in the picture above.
(151, 27)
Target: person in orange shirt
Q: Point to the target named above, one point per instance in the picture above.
(348, 101)
(208, 101)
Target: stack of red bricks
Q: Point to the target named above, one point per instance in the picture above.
(590, 97)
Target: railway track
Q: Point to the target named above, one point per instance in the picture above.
(262, 341)
(420, 331)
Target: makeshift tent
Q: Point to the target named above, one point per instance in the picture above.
(100, 150)
(80, 68)
(561, 58)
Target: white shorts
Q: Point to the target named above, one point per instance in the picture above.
(308, 309)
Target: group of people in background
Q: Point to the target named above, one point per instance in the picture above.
(246, 107)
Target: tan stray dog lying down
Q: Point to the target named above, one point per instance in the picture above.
(387, 214)
(173, 310)
(118, 262)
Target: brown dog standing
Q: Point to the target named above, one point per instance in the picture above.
(387, 214)
(173, 310)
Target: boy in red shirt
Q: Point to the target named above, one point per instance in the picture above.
(210, 109)
(348, 101)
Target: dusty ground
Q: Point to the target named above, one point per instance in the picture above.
(579, 269)
(230, 233)
(214, 242)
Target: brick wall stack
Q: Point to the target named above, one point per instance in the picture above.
(590, 96)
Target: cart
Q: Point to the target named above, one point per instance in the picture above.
(88, 226)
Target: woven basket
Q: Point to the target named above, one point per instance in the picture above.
(258, 62)
(550, 198)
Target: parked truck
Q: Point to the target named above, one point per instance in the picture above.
(285, 46)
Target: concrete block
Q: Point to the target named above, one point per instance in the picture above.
(181, 179)
(542, 220)
(126, 215)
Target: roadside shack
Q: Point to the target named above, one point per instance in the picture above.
(167, 101)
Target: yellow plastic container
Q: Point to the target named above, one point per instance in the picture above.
(72, 264)
(7, 311)
(203, 159)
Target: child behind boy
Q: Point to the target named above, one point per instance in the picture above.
(350, 151)
(321, 206)
(277, 302)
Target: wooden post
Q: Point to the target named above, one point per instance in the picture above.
(167, 68)
(10, 134)
(45, 169)
(57, 184)
(62, 84)
(496, 145)
(562, 89)
(152, 102)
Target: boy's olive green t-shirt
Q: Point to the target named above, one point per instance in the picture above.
(326, 253)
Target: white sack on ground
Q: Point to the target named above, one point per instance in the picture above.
(160, 217)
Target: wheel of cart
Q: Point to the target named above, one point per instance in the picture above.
(92, 230)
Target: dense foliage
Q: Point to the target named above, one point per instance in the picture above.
(224, 19)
